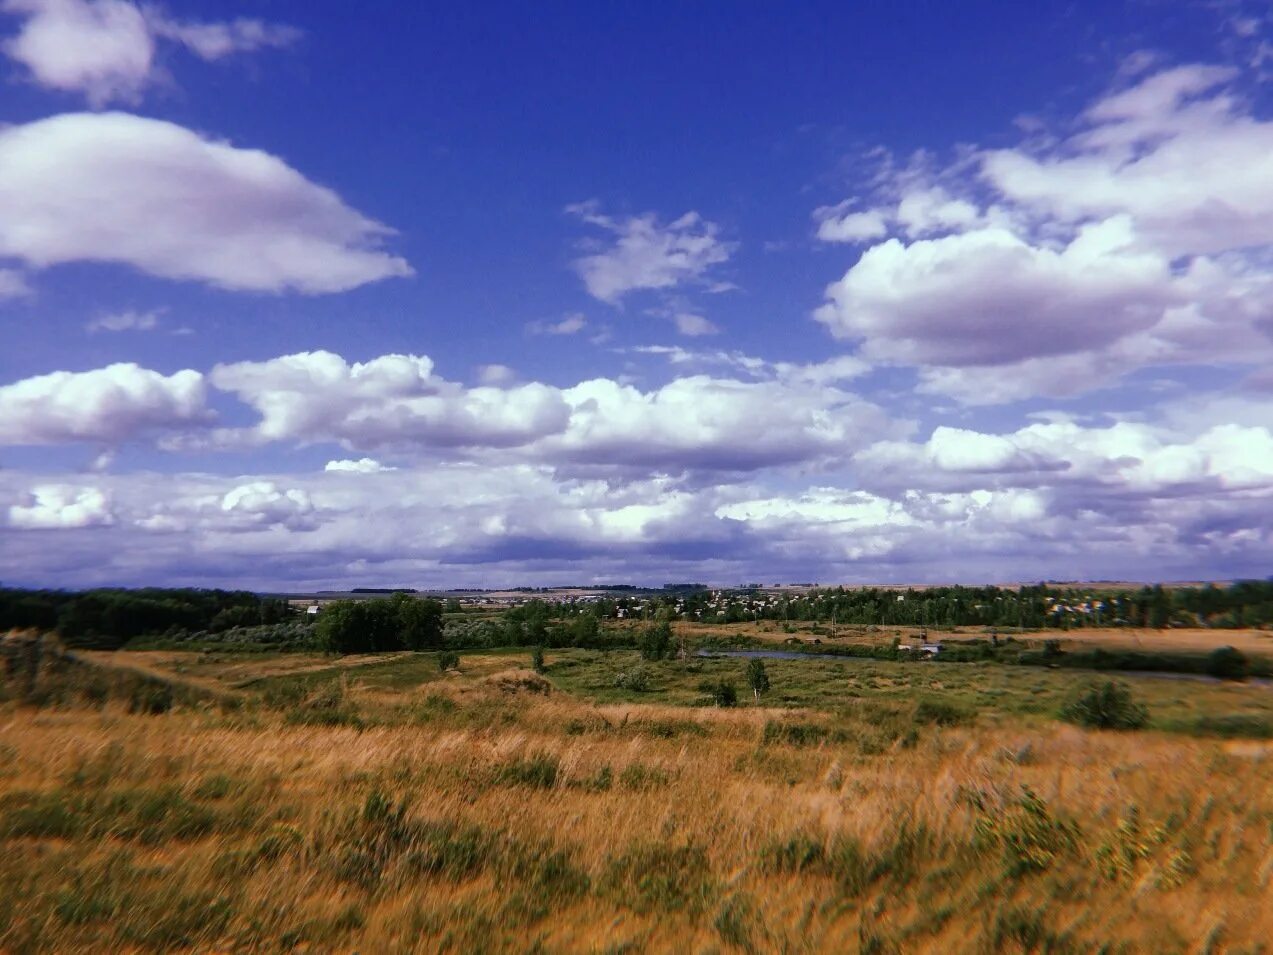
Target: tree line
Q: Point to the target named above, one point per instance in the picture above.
(1247, 603)
(108, 618)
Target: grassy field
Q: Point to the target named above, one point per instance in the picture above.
(217, 802)
(1176, 639)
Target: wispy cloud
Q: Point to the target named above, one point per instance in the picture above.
(107, 50)
(643, 253)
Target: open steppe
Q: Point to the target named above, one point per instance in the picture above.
(168, 801)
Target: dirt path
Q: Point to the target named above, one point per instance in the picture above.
(215, 673)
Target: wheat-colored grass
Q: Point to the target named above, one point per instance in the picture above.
(1172, 849)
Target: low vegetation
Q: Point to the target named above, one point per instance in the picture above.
(626, 798)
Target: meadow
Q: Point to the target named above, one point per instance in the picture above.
(220, 801)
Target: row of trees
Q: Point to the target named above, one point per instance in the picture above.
(110, 617)
(1243, 604)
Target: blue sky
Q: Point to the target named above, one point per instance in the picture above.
(634, 292)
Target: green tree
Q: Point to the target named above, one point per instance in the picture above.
(757, 678)
(585, 629)
(419, 621)
(724, 694)
(378, 625)
(656, 641)
(344, 627)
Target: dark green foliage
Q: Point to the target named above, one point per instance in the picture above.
(656, 641)
(373, 839)
(1108, 706)
(1234, 726)
(550, 880)
(448, 660)
(400, 622)
(537, 657)
(419, 621)
(723, 692)
(1227, 663)
(1126, 660)
(586, 629)
(108, 618)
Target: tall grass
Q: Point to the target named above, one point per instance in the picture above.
(467, 816)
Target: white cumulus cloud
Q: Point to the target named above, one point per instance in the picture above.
(155, 196)
(108, 405)
(61, 507)
(1142, 238)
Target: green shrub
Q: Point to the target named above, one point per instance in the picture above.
(1029, 836)
(940, 713)
(1227, 663)
(636, 680)
(537, 658)
(539, 770)
(448, 660)
(724, 693)
(1108, 706)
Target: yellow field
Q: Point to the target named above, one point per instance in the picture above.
(486, 811)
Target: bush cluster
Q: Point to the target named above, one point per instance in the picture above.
(636, 680)
(1109, 706)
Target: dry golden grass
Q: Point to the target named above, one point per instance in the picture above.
(927, 844)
